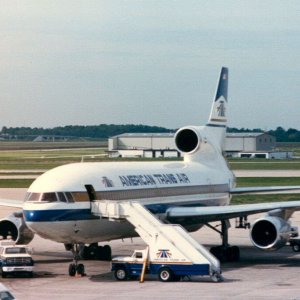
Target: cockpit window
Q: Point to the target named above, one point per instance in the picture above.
(41, 197)
(69, 197)
(61, 197)
(49, 197)
(34, 197)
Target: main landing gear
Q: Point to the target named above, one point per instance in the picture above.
(225, 252)
(91, 252)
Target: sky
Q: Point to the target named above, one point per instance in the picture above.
(148, 62)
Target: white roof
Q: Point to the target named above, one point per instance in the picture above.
(140, 135)
(171, 134)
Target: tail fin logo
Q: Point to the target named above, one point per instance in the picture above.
(221, 109)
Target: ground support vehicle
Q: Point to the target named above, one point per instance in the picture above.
(15, 259)
(166, 268)
(172, 253)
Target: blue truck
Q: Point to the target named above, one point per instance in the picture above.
(163, 264)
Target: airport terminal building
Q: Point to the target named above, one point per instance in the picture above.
(259, 145)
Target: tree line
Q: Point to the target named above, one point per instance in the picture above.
(104, 131)
(290, 135)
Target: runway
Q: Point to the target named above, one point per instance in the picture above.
(258, 275)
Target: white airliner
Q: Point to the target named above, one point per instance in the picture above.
(192, 192)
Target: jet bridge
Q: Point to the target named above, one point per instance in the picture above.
(168, 244)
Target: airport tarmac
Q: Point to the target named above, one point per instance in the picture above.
(258, 275)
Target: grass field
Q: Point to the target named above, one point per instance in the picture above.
(265, 164)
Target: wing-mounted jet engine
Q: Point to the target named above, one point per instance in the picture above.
(271, 233)
(14, 227)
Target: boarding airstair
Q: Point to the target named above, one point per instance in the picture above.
(157, 234)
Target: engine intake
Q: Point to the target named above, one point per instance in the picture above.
(270, 233)
(187, 140)
(13, 227)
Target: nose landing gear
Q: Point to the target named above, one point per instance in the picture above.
(91, 252)
(76, 269)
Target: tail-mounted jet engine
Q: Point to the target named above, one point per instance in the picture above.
(188, 139)
(13, 227)
(270, 233)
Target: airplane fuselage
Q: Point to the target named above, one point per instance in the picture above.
(58, 207)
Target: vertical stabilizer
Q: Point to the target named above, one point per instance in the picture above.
(217, 121)
(218, 114)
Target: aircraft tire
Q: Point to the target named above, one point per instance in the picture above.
(80, 269)
(72, 270)
(91, 252)
(226, 254)
(232, 254)
(219, 253)
(106, 252)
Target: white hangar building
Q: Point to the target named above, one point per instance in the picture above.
(245, 144)
(252, 141)
(143, 145)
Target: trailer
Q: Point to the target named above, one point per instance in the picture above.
(171, 253)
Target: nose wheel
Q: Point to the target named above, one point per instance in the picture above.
(76, 269)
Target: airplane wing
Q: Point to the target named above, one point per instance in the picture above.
(218, 213)
(265, 189)
(11, 203)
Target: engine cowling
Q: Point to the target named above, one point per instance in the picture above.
(13, 227)
(188, 139)
(270, 233)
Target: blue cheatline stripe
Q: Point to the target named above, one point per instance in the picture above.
(60, 215)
